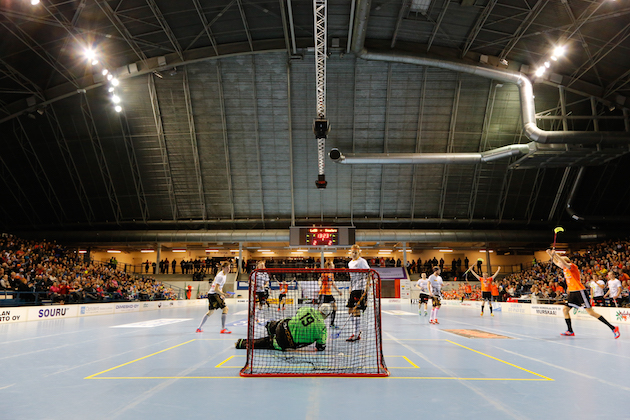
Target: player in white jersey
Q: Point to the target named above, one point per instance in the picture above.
(262, 285)
(423, 285)
(216, 298)
(435, 291)
(359, 285)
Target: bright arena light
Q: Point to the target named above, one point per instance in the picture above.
(111, 90)
(104, 72)
(34, 2)
(110, 77)
(115, 82)
(559, 51)
(118, 108)
(90, 55)
(116, 99)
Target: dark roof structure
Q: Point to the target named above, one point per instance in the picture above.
(438, 115)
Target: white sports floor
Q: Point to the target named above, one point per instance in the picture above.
(101, 367)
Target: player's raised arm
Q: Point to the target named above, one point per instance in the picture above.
(497, 272)
(475, 274)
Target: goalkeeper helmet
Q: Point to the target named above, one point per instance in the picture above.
(326, 309)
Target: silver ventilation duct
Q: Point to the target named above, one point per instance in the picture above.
(431, 158)
(526, 91)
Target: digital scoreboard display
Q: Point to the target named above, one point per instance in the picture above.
(321, 236)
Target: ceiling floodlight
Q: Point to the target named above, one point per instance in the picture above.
(118, 108)
(111, 89)
(547, 64)
(445, 250)
(104, 72)
(115, 82)
(110, 77)
(540, 71)
(559, 51)
(116, 99)
(113, 251)
(178, 250)
(146, 251)
(34, 2)
(90, 54)
(264, 250)
(94, 62)
(212, 250)
(81, 251)
(483, 250)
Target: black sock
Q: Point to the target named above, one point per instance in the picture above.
(482, 308)
(490, 309)
(569, 327)
(332, 320)
(601, 318)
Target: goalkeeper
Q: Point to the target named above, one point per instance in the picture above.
(305, 328)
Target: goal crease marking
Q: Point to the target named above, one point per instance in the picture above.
(503, 361)
(136, 360)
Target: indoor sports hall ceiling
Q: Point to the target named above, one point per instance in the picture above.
(218, 99)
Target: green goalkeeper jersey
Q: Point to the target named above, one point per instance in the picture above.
(307, 327)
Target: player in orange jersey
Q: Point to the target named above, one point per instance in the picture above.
(284, 288)
(326, 284)
(486, 293)
(577, 293)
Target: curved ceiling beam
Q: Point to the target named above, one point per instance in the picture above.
(282, 235)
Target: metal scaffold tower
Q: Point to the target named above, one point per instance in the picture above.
(321, 127)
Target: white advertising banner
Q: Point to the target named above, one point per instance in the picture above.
(405, 289)
(96, 309)
(8, 315)
(126, 307)
(52, 312)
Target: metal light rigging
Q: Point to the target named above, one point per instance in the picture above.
(321, 126)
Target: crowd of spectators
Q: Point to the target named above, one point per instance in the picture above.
(46, 272)
(544, 281)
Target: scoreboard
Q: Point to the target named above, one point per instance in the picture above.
(319, 236)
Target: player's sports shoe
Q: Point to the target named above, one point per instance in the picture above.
(425, 313)
(482, 314)
(199, 330)
(226, 331)
(431, 321)
(616, 332)
(568, 333)
(435, 321)
(491, 314)
(334, 327)
(354, 337)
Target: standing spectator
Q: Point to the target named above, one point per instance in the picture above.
(614, 289)
(174, 265)
(166, 266)
(146, 267)
(597, 286)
